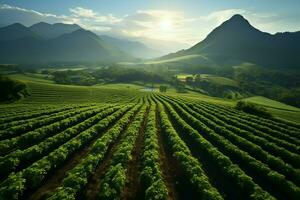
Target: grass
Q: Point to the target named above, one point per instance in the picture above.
(277, 108)
(218, 80)
(46, 92)
(271, 103)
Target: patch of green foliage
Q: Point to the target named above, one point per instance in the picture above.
(252, 108)
(12, 90)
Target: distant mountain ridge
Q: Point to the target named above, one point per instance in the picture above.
(49, 31)
(236, 41)
(135, 48)
(16, 31)
(45, 43)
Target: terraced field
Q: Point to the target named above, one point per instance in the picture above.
(147, 146)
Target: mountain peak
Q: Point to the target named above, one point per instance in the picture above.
(41, 24)
(238, 20)
(15, 31)
(16, 25)
(50, 31)
(238, 17)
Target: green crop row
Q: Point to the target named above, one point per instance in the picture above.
(78, 177)
(30, 178)
(189, 164)
(287, 188)
(114, 179)
(22, 157)
(151, 175)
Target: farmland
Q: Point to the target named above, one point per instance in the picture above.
(117, 142)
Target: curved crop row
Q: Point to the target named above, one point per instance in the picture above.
(36, 123)
(241, 181)
(15, 114)
(22, 157)
(284, 186)
(272, 124)
(43, 132)
(151, 175)
(272, 148)
(256, 151)
(189, 164)
(32, 177)
(264, 127)
(114, 179)
(18, 120)
(78, 177)
(235, 121)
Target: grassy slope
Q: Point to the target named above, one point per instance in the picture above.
(46, 92)
(277, 108)
(218, 80)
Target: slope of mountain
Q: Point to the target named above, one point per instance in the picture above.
(135, 48)
(83, 45)
(15, 31)
(49, 31)
(21, 45)
(236, 41)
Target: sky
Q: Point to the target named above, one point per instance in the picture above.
(171, 24)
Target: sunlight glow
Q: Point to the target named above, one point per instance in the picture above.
(166, 25)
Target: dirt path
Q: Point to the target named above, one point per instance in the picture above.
(167, 164)
(132, 188)
(55, 179)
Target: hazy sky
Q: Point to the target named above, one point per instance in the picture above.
(178, 21)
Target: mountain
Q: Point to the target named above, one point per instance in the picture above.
(83, 45)
(237, 41)
(49, 31)
(15, 31)
(135, 48)
(19, 44)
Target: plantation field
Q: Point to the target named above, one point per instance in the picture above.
(127, 144)
(44, 91)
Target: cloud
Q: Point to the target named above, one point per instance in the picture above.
(12, 14)
(82, 12)
(88, 14)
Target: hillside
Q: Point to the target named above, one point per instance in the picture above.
(49, 31)
(36, 45)
(236, 41)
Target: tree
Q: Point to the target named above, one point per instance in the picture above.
(11, 89)
(163, 88)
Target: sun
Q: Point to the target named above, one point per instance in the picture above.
(166, 25)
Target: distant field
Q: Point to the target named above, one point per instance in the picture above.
(218, 80)
(45, 91)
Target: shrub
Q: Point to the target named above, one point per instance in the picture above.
(12, 90)
(252, 108)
